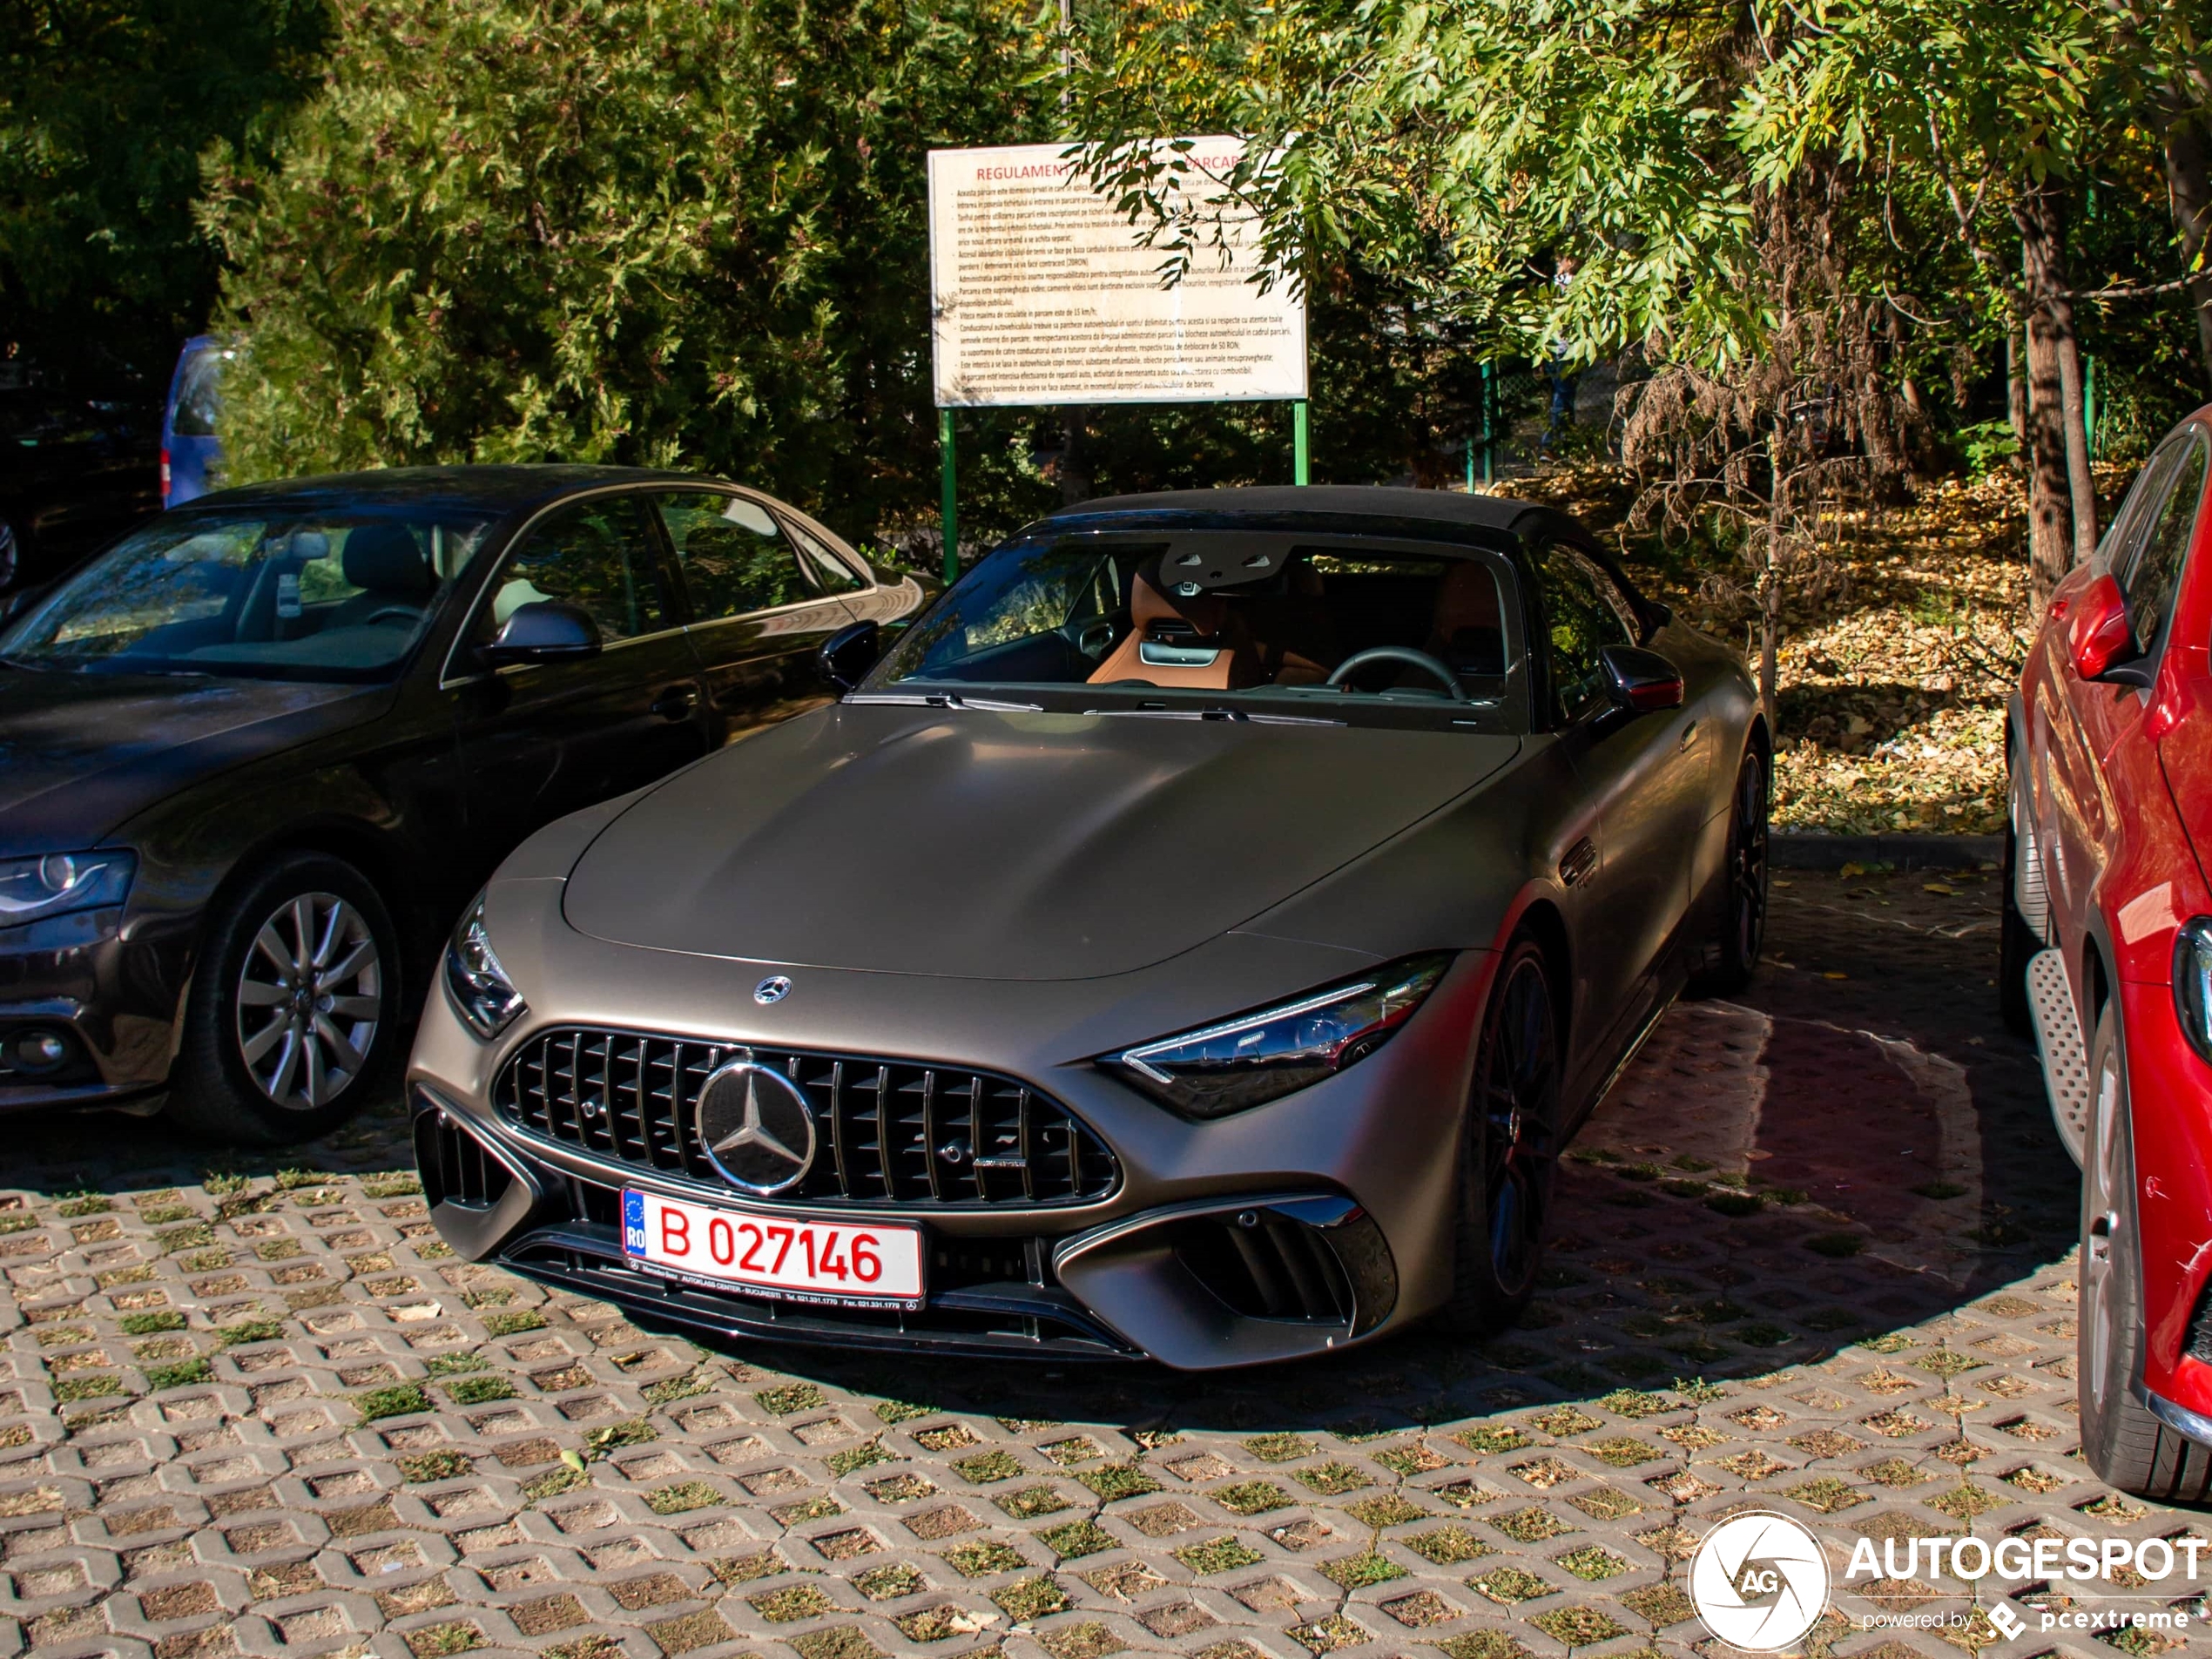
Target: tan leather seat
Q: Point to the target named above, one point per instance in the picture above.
(1295, 631)
(1215, 624)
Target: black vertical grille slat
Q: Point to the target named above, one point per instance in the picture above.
(894, 1131)
(835, 1122)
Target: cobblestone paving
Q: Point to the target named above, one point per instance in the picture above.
(1812, 1256)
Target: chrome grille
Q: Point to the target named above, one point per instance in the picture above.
(886, 1130)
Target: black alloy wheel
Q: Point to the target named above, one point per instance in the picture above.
(294, 1011)
(1510, 1148)
(2123, 1440)
(1734, 956)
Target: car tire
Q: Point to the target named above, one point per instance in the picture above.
(285, 1037)
(1734, 956)
(11, 553)
(1509, 1147)
(2017, 941)
(2126, 1445)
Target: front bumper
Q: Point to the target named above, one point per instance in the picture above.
(112, 988)
(1316, 1222)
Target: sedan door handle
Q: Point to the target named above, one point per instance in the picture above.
(1689, 735)
(676, 702)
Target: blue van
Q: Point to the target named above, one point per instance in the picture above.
(190, 454)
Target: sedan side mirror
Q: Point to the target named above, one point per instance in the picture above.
(1642, 682)
(2100, 638)
(545, 630)
(847, 655)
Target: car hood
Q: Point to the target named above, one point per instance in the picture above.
(81, 754)
(1002, 845)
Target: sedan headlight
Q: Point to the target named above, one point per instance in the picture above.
(31, 889)
(479, 986)
(1260, 1056)
(2193, 983)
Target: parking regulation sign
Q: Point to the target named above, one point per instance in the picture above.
(1041, 291)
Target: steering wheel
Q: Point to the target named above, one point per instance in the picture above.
(1405, 654)
(395, 613)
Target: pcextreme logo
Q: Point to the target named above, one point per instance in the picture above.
(1759, 1581)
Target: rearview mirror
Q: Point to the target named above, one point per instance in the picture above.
(545, 630)
(847, 655)
(2100, 638)
(1640, 681)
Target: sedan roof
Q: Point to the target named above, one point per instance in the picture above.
(498, 489)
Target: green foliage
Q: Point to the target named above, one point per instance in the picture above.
(649, 231)
(105, 107)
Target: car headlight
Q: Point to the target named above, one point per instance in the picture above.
(481, 990)
(2193, 982)
(1239, 1063)
(31, 889)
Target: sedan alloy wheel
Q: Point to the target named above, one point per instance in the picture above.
(309, 998)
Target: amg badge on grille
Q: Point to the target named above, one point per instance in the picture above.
(756, 1127)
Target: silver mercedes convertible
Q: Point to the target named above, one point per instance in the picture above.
(1195, 937)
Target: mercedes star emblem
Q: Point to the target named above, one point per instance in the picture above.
(756, 1127)
(773, 989)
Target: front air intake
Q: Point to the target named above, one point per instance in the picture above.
(455, 1167)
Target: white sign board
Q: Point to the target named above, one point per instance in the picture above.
(1042, 292)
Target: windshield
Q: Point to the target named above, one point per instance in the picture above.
(1255, 621)
(331, 593)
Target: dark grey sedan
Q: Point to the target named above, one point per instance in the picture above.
(255, 758)
(1197, 937)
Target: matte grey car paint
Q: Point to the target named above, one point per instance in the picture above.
(1021, 892)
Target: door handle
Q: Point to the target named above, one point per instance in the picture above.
(1689, 735)
(676, 702)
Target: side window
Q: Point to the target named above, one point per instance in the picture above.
(734, 556)
(1583, 614)
(595, 555)
(2155, 575)
(829, 573)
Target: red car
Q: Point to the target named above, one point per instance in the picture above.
(2108, 957)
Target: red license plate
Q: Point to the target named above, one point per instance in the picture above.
(799, 1259)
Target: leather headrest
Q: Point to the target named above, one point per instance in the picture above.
(1466, 598)
(384, 559)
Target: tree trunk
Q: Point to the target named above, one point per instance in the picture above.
(2050, 529)
(1075, 483)
(2016, 395)
(1769, 589)
(2051, 317)
(2189, 183)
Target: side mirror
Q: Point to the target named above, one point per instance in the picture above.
(2101, 640)
(1640, 681)
(847, 655)
(545, 630)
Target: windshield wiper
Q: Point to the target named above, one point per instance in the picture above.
(1239, 716)
(946, 700)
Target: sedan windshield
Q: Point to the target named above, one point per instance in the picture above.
(331, 593)
(1265, 621)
